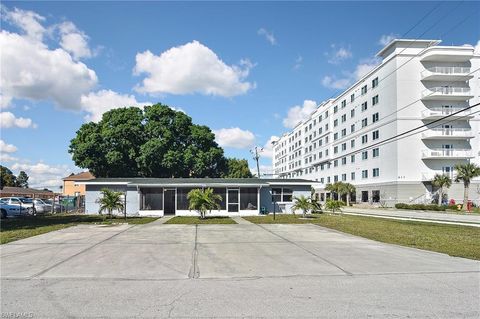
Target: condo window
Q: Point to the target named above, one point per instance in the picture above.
(344, 132)
(352, 143)
(335, 123)
(364, 89)
(364, 122)
(364, 155)
(344, 103)
(352, 112)
(364, 106)
(375, 82)
(344, 160)
(352, 128)
(376, 172)
(375, 196)
(375, 117)
(344, 146)
(344, 177)
(335, 109)
(335, 178)
(375, 100)
(375, 152)
(352, 97)
(364, 139)
(375, 135)
(364, 174)
(352, 176)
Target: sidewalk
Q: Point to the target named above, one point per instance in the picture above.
(443, 218)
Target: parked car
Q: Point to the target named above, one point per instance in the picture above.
(7, 210)
(21, 202)
(58, 208)
(41, 207)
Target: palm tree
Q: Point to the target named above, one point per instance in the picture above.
(110, 201)
(203, 200)
(347, 188)
(302, 203)
(334, 188)
(333, 204)
(465, 173)
(442, 181)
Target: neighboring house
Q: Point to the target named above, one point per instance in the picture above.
(72, 188)
(168, 196)
(26, 192)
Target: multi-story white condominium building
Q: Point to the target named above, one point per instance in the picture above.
(418, 82)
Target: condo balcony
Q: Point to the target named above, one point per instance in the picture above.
(447, 93)
(439, 112)
(428, 176)
(447, 73)
(448, 134)
(447, 54)
(442, 153)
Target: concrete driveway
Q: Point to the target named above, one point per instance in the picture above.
(243, 270)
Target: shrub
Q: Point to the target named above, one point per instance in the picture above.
(420, 207)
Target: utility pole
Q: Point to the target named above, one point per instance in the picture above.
(256, 155)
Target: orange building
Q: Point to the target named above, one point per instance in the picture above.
(70, 186)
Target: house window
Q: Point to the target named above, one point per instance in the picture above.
(222, 192)
(248, 198)
(375, 135)
(282, 194)
(375, 117)
(375, 82)
(151, 199)
(375, 100)
(182, 201)
(376, 172)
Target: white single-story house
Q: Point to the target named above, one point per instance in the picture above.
(168, 196)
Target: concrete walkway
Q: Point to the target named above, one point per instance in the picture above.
(241, 221)
(441, 218)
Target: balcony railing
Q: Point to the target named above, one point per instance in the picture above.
(446, 70)
(447, 153)
(446, 91)
(444, 111)
(428, 176)
(448, 132)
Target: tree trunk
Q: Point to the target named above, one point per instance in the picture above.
(465, 196)
(304, 213)
(440, 196)
(348, 199)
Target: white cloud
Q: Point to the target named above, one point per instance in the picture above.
(338, 54)
(4, 157)
(97, 103)
(7, 148)
(268, 35)
(191, 68)
(268, 148)
(30, 70)
(386, 39)
(8, 120)
(298, 113)
(348, 78)
(298, 62)
(234, 137)
(265, 171)
(43, 175)
(28, 21)
(74, 41)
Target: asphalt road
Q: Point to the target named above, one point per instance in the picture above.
(242, 270)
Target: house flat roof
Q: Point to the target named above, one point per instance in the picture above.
(139, 181)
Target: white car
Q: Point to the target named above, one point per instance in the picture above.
(21, 203)
(41, 207)
(8, 210)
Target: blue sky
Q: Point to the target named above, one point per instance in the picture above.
(247, 70)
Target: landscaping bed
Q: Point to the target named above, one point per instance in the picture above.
(283, 219)
(18, 228)
(195, 220)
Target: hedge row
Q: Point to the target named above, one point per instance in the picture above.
(420, 207)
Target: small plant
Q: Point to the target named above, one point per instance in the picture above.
(334, 204)
(302, 203)
(203, 200)
(110, 201)
(420, 207)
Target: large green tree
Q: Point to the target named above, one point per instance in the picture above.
(155, 142)
(6, 177)
(22, 179)
(237, 168)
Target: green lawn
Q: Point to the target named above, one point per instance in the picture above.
(195, 220)
(460, 241)
(18, 228)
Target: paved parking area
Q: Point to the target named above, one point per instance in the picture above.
(242, 270)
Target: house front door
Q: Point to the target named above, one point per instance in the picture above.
(169, 202)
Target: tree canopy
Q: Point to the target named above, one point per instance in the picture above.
(237, 168)
(7, 178)
(154, 142)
